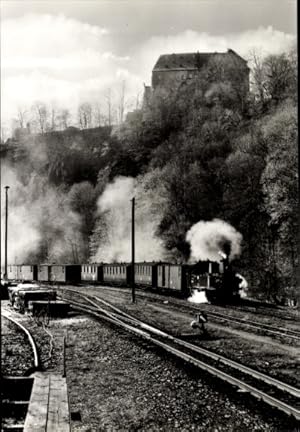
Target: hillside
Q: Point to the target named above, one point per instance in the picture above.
(196, 155)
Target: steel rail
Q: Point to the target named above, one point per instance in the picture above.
(253, 373)
(258, 394)
(219, 358)
(278, 331)
(245, 369)
(30, 338)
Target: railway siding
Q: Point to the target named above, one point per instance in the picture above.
(265, 354)
(283, 397)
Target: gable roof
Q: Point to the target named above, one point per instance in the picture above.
(190, 60)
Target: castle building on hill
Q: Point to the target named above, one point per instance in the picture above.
(173, 71)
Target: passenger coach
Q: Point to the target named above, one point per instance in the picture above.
(21, 272)
(117, 273)
(146, 274)
(92, 273)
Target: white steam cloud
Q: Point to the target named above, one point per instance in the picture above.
(208, 238)
(114, 204)
(198, 297)
(39, 221)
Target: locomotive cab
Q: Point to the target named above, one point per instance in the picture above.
(203, 276)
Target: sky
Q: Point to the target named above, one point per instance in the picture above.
(67, 52)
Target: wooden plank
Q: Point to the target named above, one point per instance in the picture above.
(36, 419)
(58, 412)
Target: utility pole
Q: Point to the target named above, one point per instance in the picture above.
(132, 252)
(6, 219)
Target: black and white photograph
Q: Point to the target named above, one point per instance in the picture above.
(150, 276)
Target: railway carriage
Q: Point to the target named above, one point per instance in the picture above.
(22, 272)
(146, 274)
(29, 272)
(117, 273)
(44, 271)
(70, 273)
(172, 277)
(13, 272)
(183, 277)
(217, 279)
(92, 273)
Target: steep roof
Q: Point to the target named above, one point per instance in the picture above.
(190, 60)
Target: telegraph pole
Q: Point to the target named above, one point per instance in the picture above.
(132, 251)
(6, 219)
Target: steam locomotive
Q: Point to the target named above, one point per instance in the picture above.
(218, 280)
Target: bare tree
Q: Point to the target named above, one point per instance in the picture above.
(41, 114)
(278, 71)
(97, 114)
(121, 105)
(53, 118)
(85, 115)
(22, 116)
(258, 81)
(109, 106)
(63, 118)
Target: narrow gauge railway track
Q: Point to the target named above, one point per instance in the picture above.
(36, 360)
(271, 330)
(16, 390)
(275, 393)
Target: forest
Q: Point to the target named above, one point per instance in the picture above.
(198, 154)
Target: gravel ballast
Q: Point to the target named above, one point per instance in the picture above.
(118, 384)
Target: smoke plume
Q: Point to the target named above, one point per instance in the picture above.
(208, 238)
(115, 206)
(41, 224)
